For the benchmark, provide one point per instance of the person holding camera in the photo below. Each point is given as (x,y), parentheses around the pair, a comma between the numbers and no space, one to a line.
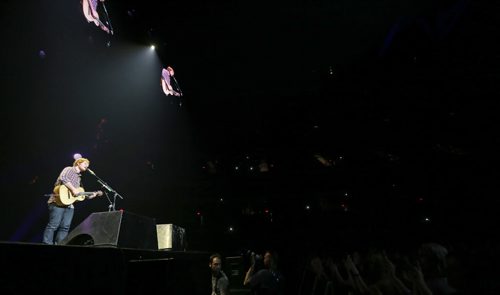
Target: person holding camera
(266,281)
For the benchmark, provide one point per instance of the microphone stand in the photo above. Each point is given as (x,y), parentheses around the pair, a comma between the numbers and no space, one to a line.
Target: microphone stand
(178,86)
(112,204)
(108,21)
(180,91)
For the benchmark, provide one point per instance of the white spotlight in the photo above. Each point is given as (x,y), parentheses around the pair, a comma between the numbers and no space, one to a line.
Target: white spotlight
(152,47)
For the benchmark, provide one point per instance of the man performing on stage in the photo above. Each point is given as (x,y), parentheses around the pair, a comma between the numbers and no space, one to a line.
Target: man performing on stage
(90,13)
(169,83)
(61,211)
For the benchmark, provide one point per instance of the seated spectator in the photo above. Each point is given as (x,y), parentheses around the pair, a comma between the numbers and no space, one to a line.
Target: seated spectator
(220,281)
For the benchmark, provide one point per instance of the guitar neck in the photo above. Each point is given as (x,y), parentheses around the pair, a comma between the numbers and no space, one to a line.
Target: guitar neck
(85,194)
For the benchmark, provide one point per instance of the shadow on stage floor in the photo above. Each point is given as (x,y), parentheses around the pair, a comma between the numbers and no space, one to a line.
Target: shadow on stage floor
(46,269)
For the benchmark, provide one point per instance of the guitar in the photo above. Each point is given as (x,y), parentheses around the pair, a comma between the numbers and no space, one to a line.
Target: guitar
(64,196)
(169,91)
(174,93)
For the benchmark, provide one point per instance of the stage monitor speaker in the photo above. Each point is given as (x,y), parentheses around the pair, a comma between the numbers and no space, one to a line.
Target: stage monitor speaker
(171,237)
(116,228)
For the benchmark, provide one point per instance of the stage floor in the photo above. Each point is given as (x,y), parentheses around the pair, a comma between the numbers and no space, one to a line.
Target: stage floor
(46,269)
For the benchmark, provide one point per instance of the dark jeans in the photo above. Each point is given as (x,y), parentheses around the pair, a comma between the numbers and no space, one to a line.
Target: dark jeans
(59,220)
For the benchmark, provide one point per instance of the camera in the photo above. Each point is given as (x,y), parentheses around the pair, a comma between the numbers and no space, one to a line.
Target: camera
(257,261)
(254,259)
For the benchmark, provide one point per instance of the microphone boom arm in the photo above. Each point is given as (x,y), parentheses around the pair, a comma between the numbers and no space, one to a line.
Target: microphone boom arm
(108,188)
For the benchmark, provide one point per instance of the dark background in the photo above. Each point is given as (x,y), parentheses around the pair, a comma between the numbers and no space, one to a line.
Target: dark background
(399,99)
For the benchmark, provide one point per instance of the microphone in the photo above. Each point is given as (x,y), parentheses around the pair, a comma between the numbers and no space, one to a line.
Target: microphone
(105,185)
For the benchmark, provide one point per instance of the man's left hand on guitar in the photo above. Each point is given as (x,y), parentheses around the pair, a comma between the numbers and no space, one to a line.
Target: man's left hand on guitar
(105,29)
(94,194)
